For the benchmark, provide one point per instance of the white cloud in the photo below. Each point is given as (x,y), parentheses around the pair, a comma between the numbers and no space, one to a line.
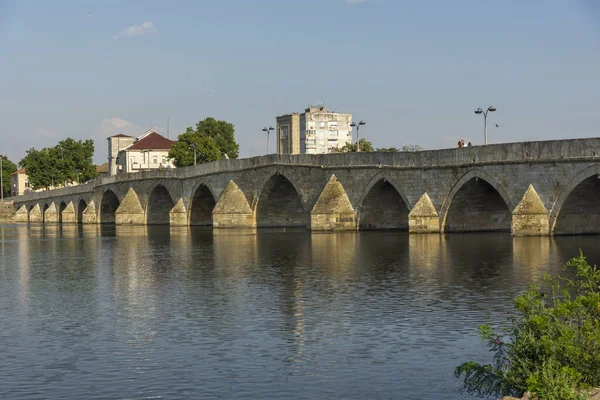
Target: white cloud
(88,16)
(147,28)
(109,127)
(114,125)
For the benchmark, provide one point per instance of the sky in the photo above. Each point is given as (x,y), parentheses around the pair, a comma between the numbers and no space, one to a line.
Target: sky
(414,71)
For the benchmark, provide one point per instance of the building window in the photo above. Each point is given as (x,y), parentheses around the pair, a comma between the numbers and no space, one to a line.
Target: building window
(155,160)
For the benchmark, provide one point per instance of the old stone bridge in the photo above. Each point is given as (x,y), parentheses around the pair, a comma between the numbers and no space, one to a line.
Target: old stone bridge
(529,188)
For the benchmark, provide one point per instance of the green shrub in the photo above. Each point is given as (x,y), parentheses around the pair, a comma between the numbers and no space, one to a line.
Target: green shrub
(551,345)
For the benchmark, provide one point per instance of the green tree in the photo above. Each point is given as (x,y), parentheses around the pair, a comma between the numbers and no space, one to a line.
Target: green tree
(41,167)
(411,147)
(551,346)
(388,149)
(223,134)
(212,139)
(8,167)
(75,160)
(182,151)
(365,146)
(68,162)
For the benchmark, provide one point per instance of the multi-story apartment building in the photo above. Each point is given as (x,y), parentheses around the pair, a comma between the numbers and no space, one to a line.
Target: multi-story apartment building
(316,131)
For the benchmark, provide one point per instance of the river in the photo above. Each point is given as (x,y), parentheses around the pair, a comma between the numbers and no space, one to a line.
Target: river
(105,312)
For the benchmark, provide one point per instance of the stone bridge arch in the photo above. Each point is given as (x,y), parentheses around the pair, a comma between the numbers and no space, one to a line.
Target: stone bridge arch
(45,206)
(383,204)
(81,205)
(62,206)
(160,202)
(108,203)
(202,203)
(577,208)
(476,202)
(279,202)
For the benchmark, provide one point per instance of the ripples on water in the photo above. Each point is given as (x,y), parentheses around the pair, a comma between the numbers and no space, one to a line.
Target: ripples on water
(158,312)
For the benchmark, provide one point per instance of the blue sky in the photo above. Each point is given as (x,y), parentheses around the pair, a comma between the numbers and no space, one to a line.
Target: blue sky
(413,70)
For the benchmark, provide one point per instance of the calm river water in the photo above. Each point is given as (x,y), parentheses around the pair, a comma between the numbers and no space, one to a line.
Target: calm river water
(157,312)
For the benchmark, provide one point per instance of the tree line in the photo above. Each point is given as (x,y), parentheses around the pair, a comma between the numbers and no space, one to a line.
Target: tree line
(68,162)
(366,147)
(71,161)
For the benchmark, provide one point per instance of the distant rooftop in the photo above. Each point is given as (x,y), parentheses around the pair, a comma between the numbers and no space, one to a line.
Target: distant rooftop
(151,140)
(102,168)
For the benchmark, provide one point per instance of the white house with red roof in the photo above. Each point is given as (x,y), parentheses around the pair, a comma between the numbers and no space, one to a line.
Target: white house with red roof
(148,151)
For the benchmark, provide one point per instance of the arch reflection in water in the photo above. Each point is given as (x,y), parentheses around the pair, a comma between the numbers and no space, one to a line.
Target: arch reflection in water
(427,251)
(483,259)
(532,255)
(91,230)
(24,264)
(381,255)
(285,255)
(567,247)
(235,252)
(69,231)
(138,284)
(334,253)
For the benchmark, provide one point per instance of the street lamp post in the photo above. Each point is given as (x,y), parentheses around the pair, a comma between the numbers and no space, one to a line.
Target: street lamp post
(193,147)
(354,124)
(485,113)
(268,131)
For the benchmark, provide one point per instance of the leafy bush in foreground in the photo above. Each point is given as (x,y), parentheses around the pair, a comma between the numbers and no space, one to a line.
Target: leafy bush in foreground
(551,346)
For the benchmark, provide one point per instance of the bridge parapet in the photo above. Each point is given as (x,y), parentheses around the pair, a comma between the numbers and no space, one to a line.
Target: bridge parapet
(62,192)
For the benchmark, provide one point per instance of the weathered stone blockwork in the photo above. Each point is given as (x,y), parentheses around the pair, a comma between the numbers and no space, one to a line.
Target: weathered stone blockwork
(530,217)
(7,210)
(468,189)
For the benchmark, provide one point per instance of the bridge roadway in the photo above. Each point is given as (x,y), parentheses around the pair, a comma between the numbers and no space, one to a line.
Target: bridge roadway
(528,188)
